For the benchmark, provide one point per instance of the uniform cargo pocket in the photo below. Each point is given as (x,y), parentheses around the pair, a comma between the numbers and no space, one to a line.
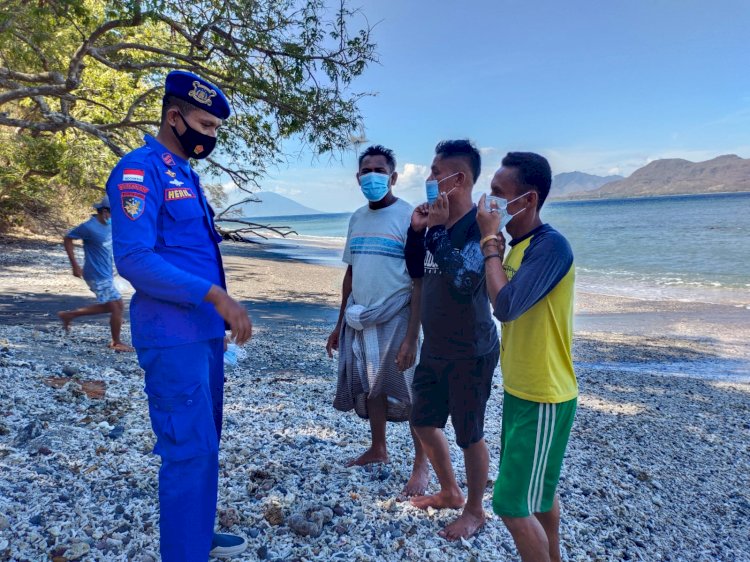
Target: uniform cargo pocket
(184,223)
(184,425)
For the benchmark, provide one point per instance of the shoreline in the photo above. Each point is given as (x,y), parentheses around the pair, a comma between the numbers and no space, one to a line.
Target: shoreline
(654,469)
(645,197)
(277,286)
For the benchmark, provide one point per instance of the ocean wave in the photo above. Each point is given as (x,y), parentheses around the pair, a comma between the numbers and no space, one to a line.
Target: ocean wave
(649,289)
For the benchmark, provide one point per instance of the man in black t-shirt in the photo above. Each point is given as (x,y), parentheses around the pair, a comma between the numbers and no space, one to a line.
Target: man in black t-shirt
(461,348)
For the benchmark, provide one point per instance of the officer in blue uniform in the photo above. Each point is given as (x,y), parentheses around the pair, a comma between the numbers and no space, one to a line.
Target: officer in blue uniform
(165,244)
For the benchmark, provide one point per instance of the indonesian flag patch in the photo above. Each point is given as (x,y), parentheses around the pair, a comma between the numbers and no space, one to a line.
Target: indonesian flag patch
(132,175)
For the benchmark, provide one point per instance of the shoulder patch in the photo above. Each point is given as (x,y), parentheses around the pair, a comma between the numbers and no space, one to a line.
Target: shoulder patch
(167,159)
(132,187)
(133,204)
(132,174)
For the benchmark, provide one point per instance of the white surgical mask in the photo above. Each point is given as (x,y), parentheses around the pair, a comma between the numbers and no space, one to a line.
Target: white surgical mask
(501,206)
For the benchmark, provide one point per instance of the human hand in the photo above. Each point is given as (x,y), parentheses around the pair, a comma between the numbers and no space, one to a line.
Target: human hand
(333,341)
(419,217)
(488,221)
(407,353)
(77,271)
(439,211)
(492,246)
(233,313)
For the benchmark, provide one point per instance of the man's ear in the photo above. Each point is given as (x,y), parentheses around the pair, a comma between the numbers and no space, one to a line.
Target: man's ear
(464,179)
(534,198)
(357,176)
(394,178)
(173,112)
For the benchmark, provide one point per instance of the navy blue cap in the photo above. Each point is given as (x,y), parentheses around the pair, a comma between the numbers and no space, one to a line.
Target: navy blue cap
(104,203)
(198,92)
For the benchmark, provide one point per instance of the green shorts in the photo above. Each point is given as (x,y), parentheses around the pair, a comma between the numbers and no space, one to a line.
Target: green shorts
(532,447)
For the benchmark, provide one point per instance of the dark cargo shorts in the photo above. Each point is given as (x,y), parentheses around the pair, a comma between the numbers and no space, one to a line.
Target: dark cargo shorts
(456,387)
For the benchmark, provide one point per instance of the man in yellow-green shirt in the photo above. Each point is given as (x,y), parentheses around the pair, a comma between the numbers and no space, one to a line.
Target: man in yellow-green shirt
(531,291)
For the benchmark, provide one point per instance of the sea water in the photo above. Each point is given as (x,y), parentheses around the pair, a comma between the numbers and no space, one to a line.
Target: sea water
(688,248)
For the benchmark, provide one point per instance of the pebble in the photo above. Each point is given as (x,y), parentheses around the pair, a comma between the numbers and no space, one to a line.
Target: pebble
(274,514)
(116,432)
(77,551)
(29,431)
(283,442)
(228,517)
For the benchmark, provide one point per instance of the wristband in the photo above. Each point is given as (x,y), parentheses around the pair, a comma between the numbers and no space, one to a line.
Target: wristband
(486,239)
(493,256)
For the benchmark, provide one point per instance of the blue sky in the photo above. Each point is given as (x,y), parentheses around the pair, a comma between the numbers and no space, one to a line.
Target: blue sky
(597,86)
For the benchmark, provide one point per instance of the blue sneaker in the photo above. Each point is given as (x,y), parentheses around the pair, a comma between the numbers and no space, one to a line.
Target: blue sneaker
(224,545)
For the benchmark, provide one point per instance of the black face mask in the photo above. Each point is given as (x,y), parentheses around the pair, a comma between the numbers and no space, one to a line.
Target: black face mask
(194,143)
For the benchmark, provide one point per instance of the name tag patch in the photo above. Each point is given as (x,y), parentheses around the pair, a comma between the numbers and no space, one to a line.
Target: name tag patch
(177,193)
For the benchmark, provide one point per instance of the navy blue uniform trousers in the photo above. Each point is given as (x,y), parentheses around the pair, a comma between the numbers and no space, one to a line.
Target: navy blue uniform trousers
(185,388)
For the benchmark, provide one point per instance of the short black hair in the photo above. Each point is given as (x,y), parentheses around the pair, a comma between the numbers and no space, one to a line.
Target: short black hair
(532,171)
(379,150)
(464,149)
(169,101)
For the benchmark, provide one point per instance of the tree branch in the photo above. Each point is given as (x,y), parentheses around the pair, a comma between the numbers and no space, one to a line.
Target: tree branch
(237,234)
(223,214)
(76,63)
(44,77)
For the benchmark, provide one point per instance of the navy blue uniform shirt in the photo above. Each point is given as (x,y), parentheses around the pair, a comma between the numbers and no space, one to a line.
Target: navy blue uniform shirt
(165,244)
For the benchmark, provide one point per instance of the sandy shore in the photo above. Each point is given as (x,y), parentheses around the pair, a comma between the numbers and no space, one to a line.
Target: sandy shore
(656,468)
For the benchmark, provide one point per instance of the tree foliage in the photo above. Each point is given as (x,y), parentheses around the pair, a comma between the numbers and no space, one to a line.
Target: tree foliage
(81,82)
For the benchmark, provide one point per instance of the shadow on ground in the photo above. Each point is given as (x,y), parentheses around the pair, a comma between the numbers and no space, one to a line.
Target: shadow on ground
(39,310)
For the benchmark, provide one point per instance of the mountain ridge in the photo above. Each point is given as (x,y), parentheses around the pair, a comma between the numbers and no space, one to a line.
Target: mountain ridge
(677,176)
(577,182)
(274,205)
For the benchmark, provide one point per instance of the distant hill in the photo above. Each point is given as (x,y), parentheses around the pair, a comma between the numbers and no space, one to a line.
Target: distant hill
(275,205)
(675,176)
(578,182)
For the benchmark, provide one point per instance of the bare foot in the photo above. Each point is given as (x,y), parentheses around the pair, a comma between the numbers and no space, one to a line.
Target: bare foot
(464,527)
(441,500)
(417,484)
(370,456)
(120,347)
(66,318)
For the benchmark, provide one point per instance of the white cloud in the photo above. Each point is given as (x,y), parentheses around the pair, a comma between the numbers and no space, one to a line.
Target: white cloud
(410,184)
